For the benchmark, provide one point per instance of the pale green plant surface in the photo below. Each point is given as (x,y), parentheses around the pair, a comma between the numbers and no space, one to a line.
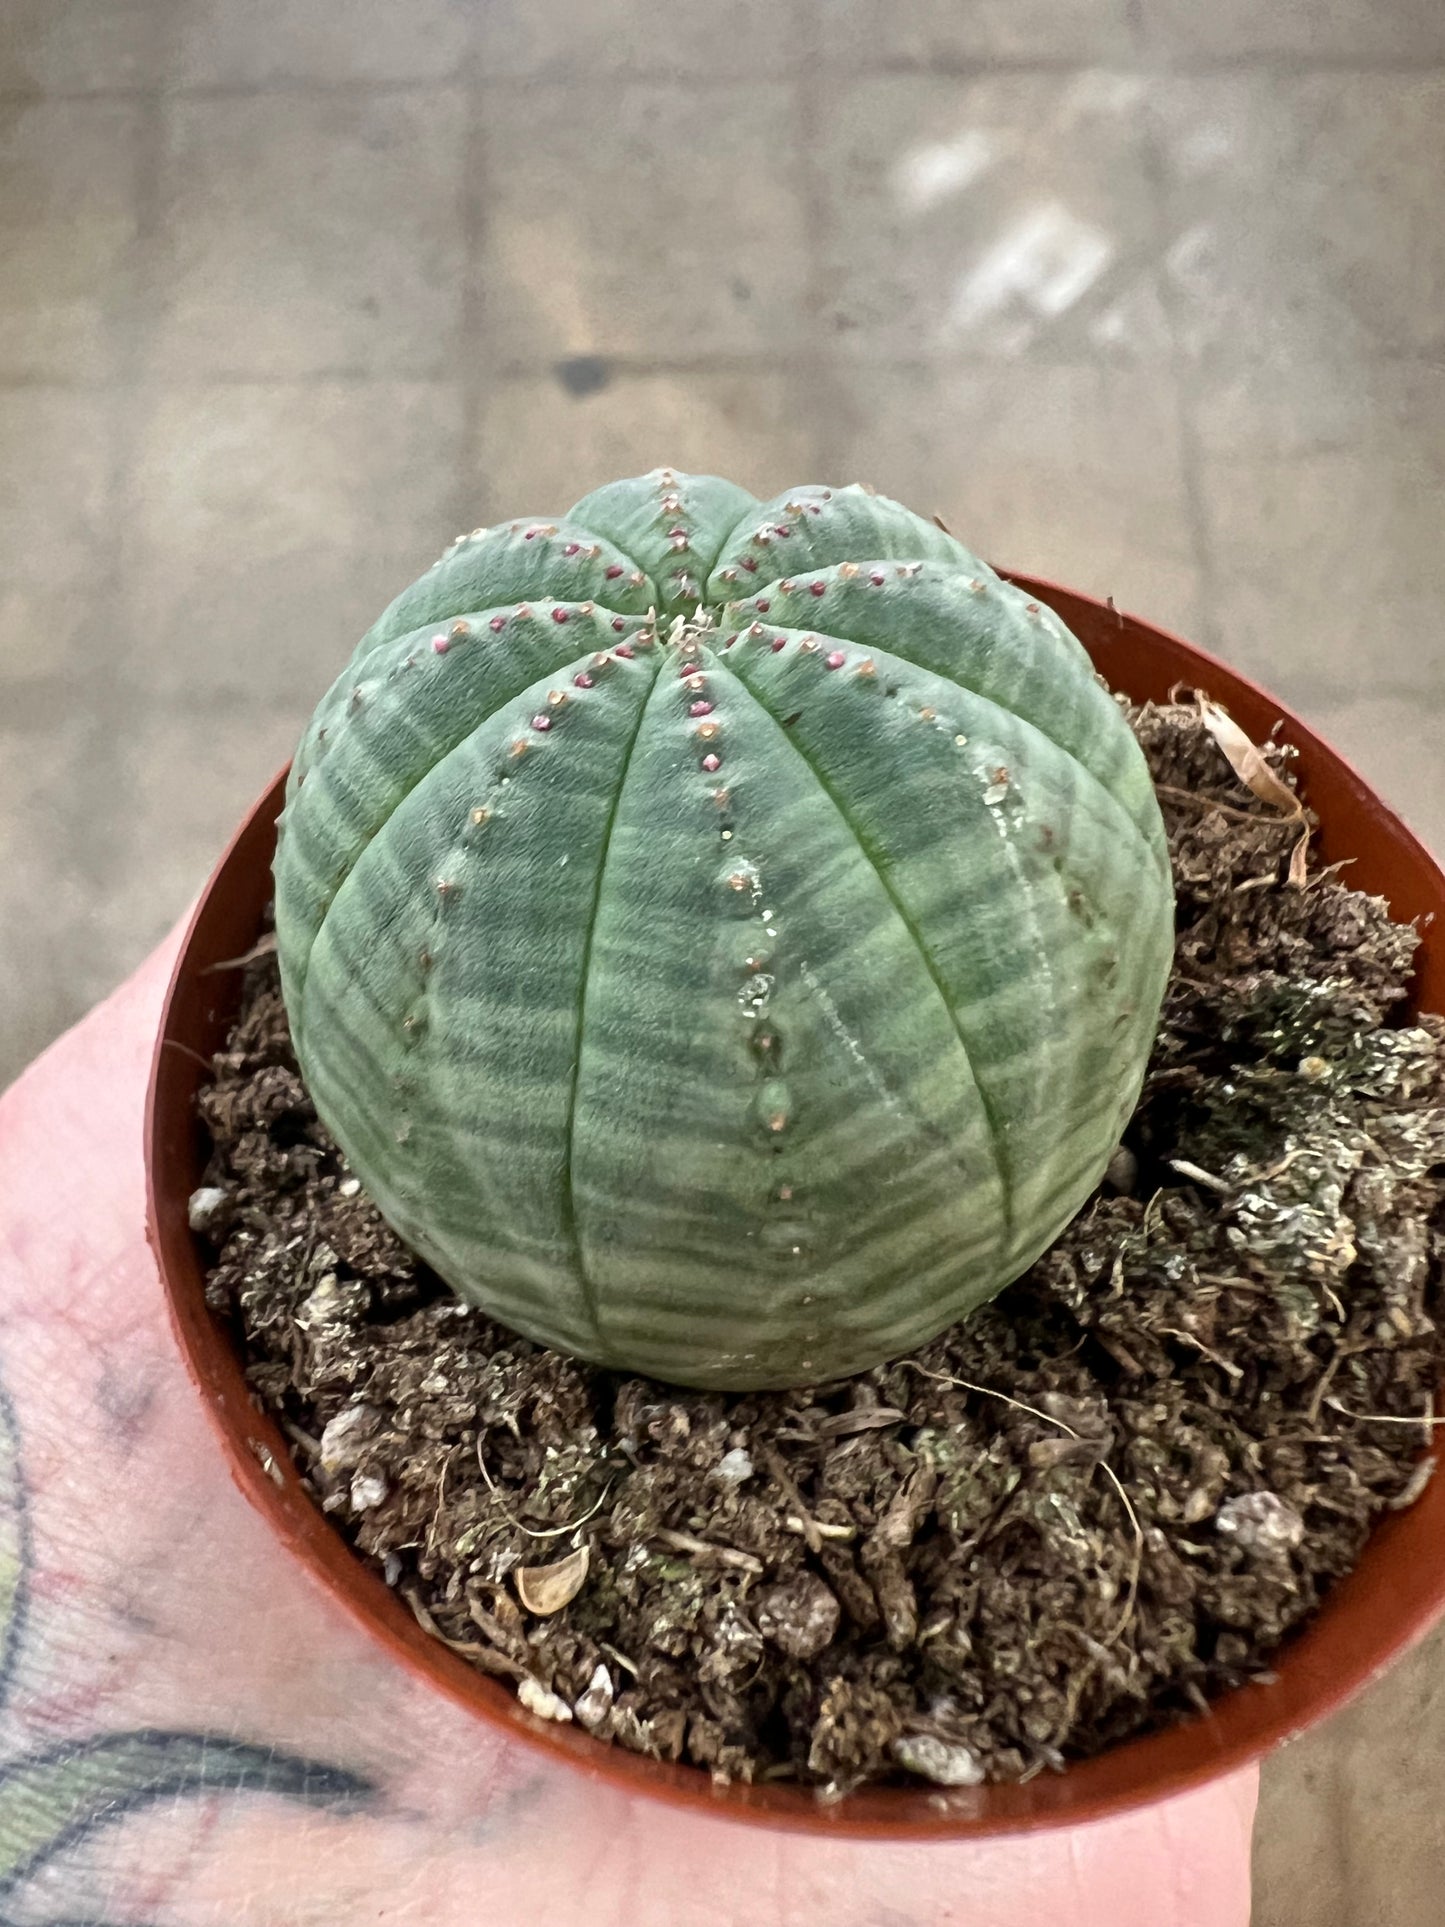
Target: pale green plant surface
(725,938)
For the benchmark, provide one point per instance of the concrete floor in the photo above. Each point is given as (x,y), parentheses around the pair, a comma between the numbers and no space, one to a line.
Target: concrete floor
(1145,294)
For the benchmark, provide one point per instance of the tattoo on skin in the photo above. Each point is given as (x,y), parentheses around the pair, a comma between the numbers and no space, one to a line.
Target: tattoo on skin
(54,1798)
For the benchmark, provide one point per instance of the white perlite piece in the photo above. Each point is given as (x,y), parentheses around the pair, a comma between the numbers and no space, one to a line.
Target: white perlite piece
(346,1435)
(1261,1522)
(946,1763)
(547,1706)
(368,1490)
(595,1703)
(204,1206)
(733,1467)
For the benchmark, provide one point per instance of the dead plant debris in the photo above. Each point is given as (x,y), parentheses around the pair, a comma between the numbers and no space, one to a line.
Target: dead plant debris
(1103,1499)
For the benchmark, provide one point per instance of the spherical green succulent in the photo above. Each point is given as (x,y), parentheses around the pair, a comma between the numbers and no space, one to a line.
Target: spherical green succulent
(725,937)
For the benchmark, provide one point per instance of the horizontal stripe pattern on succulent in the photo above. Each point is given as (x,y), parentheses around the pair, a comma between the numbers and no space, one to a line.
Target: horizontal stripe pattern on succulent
(465,1082)
(518,561)
(1072,724)
(734,1003)
(673,524)
(1006,860)
(670,1086)
(372,740)
(808,529)
(987,643)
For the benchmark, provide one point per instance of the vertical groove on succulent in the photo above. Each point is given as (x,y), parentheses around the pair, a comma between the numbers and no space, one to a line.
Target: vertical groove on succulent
(979,646)
(879,864)
(673,524)
(698,1051)
(584,1276)
(402,732)
(515,563)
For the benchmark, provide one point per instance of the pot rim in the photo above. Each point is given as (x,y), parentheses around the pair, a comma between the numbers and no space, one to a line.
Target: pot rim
(1389,1601)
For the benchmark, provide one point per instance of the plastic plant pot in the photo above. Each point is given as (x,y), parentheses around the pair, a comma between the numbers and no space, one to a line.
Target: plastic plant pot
(1370,1618)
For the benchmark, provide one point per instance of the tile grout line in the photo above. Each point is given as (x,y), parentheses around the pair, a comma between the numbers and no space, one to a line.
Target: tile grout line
(470,374)
(1156,180)
(110,699)
(137,391)
(1351,1863)
(1151,64)
(631,367)
(1300,63)
(821,381)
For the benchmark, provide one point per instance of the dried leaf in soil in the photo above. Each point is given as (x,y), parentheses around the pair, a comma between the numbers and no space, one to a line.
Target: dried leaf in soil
(545,1590)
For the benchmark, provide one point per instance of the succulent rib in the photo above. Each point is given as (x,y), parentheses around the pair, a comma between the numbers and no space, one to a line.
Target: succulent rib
(1070,712)
(920,943)
(569,1203)
(401,734)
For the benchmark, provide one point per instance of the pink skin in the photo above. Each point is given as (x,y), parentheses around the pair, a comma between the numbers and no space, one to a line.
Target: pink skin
(159,1599)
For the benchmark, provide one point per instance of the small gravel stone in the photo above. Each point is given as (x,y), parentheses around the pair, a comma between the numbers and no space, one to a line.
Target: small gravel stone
(1123,1172)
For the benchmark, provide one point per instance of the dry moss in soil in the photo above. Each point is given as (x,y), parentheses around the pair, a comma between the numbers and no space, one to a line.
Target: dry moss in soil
(930,1570)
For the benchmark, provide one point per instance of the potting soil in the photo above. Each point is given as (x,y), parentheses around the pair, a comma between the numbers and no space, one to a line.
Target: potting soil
(1102,1500)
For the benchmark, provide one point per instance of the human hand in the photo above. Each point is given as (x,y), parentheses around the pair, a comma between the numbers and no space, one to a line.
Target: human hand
(192,1734)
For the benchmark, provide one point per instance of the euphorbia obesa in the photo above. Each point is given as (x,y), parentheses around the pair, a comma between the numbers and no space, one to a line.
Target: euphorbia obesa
(724,937)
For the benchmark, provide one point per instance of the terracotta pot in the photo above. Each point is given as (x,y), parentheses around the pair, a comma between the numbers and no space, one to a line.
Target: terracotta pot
(1390,1600)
